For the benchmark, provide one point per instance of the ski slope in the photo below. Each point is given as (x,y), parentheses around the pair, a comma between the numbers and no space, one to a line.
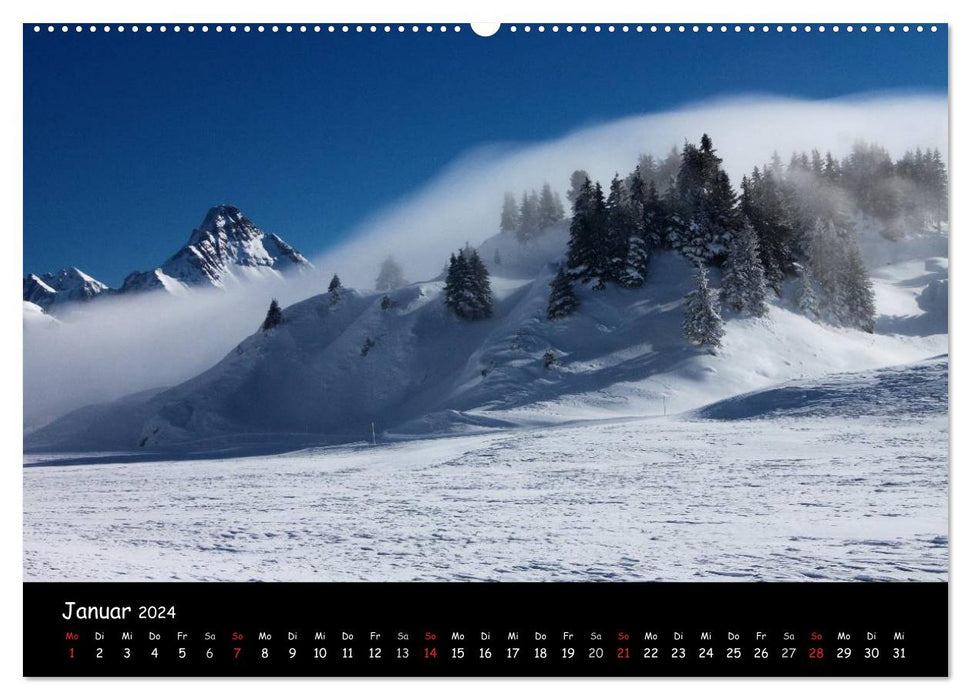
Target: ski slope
(791,495)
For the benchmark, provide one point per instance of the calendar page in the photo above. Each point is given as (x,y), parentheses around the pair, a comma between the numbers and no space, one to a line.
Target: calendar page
(485,350)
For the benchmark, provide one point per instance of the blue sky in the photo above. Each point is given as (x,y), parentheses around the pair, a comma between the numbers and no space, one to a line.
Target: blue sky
(130,138)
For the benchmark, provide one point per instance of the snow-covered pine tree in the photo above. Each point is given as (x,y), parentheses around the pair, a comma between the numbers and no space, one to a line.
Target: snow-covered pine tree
(274,317)
(836,264)
(654,227)
(858,291)
(563,300)
(390,276)
(637,263)
(808,302)
(676,222)
(600,261)
(334,289)
(579,247)
(454,280)
(637,191)
(468,293)
(509,219)
(707,202)
(621,227)
(587,252)
(496,258)
(766,205)
(743,286)
(702,324)
(480,286)
(825,260)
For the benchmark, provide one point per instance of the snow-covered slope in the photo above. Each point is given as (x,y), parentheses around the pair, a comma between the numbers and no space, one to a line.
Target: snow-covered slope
(226,248)
(34,317)
(69,284)
(911,390)
(339,364)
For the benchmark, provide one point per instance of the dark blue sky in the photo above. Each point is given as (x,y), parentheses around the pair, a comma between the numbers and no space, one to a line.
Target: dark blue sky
(130,138)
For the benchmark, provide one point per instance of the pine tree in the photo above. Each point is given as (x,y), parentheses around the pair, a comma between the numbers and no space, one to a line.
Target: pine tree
(654,227)
(390,276)
(547,212)
(858,292)
(481,287)
(835,262)
(334,289)
(509,220)
(496,258)
(563,300)
(938,185)
(743,286)
(707,203)
(455,277)
(637,263)
(621,227)
(274,317)
(468,292)
(529,224)
(766,206)
(808,303)
(587,257)
(702,324)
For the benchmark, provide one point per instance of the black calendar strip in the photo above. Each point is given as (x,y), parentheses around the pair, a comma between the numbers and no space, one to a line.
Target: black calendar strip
(485,629)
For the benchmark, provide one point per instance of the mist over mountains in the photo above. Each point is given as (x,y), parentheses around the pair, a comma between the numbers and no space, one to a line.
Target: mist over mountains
(148,342)
(225,250)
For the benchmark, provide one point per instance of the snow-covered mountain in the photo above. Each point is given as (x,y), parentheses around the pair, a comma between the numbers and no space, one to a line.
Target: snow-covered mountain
(226,249)
(340,362)
(69,284)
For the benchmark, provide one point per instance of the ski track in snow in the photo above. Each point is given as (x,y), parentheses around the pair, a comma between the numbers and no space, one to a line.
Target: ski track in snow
(676,498)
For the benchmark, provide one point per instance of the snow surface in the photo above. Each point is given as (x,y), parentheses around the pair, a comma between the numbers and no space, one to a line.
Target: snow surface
(832,495)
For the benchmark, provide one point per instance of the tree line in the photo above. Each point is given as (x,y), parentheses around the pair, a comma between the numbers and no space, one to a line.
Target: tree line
(534,213)
(787,222)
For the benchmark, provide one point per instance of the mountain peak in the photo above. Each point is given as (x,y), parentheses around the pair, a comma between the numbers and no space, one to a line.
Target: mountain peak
(69,284)
(226,247)
(225,220)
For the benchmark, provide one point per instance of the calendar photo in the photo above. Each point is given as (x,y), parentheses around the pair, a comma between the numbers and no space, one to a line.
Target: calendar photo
(309,327)
(599,303)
